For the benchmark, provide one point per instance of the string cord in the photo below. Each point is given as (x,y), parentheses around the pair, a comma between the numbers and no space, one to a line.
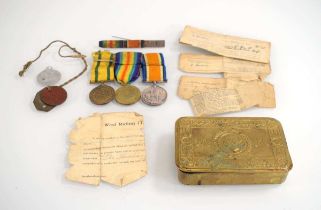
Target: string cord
(77,55)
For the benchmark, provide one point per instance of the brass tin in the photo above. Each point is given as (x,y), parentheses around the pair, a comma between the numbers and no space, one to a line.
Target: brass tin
(218,150)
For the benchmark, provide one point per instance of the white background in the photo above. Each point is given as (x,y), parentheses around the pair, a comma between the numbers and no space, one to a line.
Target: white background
(34,145)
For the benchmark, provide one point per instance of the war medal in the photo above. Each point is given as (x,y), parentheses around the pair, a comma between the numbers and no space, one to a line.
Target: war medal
(154,70)
(127,95)
(102,94)
(51,96)
(127,70)
(102,71)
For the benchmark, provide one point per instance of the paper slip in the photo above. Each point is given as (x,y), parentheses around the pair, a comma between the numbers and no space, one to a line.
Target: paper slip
(108,147)
(225,45)
(197,63)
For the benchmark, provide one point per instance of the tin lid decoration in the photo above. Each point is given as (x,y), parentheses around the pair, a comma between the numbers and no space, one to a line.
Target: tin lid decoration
(218,150)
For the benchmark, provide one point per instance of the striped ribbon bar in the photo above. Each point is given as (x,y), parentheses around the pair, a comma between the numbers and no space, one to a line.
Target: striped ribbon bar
(153,68)
(102,69)
(127,66)
(131,43)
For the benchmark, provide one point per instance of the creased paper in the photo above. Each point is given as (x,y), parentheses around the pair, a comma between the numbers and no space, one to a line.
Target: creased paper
(108,147)
(253,93)
(229,46)
(215,101)
(244,76)
(197,63)
(189,86)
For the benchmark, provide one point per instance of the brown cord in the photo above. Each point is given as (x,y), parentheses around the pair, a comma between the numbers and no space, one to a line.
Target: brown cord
(78,55)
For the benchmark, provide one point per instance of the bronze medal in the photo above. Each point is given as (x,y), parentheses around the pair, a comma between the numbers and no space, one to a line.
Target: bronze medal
(40,105)
(53,95)
(103,94)
(154,95)
(127,95)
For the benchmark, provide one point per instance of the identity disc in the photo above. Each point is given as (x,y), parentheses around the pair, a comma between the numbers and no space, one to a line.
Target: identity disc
(127,95)
(154,95)
(53,95)
(103,94)
(40,105)
(49,76)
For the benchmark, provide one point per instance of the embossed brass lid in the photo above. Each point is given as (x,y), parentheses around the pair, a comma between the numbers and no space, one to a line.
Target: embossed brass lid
(242,145)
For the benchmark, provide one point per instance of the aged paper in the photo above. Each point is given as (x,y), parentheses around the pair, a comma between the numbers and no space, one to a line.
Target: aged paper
(189,86)
(229,46)
(216,101)
(232,65)
(243,76)
(232,83)
(268,99)
(123,157)
(253,93)
(108,147)
(250,93)
(196,63)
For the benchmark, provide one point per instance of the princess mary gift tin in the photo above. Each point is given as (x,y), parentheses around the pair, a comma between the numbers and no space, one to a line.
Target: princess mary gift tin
(217,150)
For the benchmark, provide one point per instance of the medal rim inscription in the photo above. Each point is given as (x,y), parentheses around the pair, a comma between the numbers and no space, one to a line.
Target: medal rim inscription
(48,76)
(98,98)
(121,99)
(40,105)
(53,95)
(146,100)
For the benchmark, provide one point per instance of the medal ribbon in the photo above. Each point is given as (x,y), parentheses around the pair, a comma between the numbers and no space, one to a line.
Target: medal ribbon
(127,66)
(131,43)
(153,68)
(102,69)
(120,44)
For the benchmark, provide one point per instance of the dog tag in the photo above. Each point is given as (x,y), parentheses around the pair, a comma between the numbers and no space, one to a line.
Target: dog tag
(48,77)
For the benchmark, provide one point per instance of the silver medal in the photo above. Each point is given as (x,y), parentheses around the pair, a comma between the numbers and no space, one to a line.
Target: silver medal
(154,95)
(48,77)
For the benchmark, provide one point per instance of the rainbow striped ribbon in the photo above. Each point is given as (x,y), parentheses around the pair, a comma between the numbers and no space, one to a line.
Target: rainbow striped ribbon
(153,68)
(127,66)
(120,44)
(102,69)
(131,43)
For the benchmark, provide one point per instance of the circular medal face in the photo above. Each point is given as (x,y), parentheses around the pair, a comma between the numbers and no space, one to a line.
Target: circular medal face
(103,94)
(53,95)
(41,106)
(49,76)
(127,95)
(154,95)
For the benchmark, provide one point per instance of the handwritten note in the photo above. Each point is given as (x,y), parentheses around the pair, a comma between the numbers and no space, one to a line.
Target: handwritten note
(229,46)
(108,147)
(244,76)
(216,101)
(190,86)
(196,63)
